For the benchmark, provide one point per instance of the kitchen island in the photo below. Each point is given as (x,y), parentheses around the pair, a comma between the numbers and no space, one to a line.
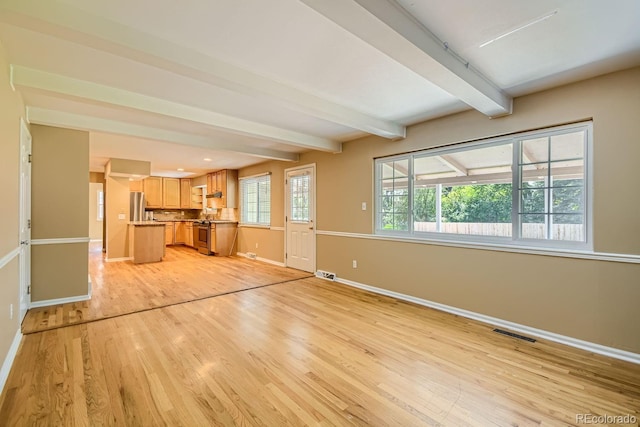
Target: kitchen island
(146,241)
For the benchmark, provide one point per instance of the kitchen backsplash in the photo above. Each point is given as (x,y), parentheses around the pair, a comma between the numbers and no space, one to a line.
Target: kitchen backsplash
(171,214)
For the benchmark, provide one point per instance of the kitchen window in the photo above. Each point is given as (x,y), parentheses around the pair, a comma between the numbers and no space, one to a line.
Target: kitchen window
(529,189)
(255,196)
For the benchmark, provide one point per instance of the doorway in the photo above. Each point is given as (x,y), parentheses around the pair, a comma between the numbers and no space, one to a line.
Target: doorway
(25,219)
(300,213)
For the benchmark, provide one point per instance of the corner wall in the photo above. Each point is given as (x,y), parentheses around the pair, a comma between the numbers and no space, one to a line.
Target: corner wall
(11,111)
(587,299)
(60,214)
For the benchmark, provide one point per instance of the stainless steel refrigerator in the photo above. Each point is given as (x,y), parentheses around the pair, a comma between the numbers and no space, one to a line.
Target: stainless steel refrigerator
(137,203)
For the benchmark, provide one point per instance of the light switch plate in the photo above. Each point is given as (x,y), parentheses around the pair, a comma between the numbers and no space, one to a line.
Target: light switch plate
(364,206)
(121,216)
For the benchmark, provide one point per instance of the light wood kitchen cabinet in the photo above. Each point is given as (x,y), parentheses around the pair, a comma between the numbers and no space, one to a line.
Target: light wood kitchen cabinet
(136,185)
(223,237)
(171,193)
(196,198)
(168,233)
(180,233)
(153,192)
(211,182)
(225,182)
(188,238)
(185,193)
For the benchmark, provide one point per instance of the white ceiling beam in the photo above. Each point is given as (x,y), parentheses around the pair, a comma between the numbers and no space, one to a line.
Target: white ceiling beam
(451,163)
(69,87)
(386,26)
(48,117)
(69,23)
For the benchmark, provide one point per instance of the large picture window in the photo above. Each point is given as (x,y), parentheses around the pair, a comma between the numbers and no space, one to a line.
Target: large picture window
(530,189)
(255,194)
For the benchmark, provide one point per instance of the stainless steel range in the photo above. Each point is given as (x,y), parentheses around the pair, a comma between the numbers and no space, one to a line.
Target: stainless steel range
(202,236)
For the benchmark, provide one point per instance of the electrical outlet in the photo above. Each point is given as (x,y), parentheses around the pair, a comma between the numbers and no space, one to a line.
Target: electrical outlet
(354,263)
(256,245)
(10,311)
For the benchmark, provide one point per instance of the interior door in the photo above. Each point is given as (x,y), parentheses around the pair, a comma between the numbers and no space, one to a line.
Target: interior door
(299,218)
(25,219)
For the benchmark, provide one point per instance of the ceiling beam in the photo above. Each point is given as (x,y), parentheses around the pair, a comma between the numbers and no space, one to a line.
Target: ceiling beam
(72,24)
(94,92)
(386,26)
(47,117)
(451,163)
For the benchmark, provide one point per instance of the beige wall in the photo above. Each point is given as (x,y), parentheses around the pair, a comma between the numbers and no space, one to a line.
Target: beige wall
(60,210)
(11,110)
(59,271)
(270,242)
(117,202)
(590,300)
(95,226)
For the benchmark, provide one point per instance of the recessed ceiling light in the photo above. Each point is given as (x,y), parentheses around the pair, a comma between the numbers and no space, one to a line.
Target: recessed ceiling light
(207,159)
(180,170)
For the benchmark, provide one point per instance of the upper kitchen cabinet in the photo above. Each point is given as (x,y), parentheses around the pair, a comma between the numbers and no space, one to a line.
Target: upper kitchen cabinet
(137,185)
(185,193)
(224,182)
(153,192)
(171,193)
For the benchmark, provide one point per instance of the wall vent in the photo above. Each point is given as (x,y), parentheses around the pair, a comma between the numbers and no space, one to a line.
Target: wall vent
(514,335)
(251,255)
(326,275)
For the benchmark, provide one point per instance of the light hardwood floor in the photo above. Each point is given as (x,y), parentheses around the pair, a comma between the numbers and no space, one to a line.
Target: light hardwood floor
(305,352)
(184,275)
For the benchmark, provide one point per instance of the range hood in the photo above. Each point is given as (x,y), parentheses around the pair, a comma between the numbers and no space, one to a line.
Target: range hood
(216,195)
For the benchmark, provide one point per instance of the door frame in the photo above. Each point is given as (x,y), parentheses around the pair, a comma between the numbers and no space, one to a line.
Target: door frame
(25,218)
(312,213)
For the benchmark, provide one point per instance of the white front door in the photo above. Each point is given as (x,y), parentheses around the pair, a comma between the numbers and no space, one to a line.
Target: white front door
(25,219)
(299,218)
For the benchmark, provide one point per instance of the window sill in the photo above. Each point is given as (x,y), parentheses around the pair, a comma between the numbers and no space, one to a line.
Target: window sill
(266,227)
(521,249)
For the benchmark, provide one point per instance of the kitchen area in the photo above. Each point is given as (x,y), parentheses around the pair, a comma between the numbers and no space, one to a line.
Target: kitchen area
(199,213)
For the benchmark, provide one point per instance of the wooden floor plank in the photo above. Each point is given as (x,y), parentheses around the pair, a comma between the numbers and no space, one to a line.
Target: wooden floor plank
(301,352)
(184,275)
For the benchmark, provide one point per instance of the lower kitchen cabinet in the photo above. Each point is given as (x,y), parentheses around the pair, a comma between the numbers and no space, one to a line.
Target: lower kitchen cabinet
(168,233)
(223,236)
(180,229)
(188,230)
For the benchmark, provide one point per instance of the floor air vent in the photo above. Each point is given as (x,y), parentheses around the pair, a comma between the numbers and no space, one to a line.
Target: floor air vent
(326,275)
(511,334)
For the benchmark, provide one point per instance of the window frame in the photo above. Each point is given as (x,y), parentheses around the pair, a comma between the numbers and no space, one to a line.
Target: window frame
(515,140)
(254,179)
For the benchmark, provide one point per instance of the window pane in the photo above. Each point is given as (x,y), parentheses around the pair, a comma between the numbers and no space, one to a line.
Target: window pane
(567,146)
(299,190)
(535,150)
(557,193)
(393,197)
(478,209)
(256,200)
(534,227)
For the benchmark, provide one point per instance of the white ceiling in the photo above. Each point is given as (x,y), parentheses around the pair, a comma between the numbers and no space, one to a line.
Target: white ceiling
(242,81)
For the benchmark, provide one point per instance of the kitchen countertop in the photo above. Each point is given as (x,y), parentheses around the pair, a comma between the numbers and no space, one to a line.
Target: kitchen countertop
(146,223)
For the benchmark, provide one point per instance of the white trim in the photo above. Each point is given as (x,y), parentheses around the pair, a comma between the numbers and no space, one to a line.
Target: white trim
(276,228)
(60,241)
(258,175)
(56,301)
(598,256)
(313,215)
(9,358)
(95,240)
(9,257)
(118,259)
(266,260)
(264,227)
(550,336)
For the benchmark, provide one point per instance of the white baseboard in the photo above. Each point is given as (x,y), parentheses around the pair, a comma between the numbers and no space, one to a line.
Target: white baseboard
(9,358)
(268,261)
(527,330)
(49,302)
